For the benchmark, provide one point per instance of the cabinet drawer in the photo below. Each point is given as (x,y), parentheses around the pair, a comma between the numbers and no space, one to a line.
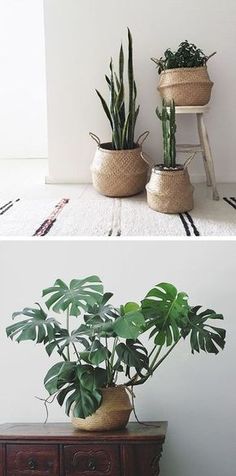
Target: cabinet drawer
(27,460)
(96,460)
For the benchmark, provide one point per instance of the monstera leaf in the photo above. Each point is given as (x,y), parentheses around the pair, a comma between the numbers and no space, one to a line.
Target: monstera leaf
(38,327)
(203,335)
(130,324)
(133,354)
(63,339)
(80,385)
(101,312)
(80,294)
(59,375)
(165,310)
(96,354)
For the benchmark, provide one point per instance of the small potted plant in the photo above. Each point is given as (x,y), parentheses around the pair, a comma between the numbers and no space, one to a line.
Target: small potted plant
(118,169)
(183,75)
(102,357)
(169,189)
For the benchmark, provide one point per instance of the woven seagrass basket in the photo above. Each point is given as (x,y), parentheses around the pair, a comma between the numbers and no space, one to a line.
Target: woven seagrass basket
(170,191)
(113,414)
(119,173)
(186,86)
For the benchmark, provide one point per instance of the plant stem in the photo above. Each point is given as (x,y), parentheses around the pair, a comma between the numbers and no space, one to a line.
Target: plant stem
(68,329)
(76,352)
(153,368)
(166,355)
(156,357)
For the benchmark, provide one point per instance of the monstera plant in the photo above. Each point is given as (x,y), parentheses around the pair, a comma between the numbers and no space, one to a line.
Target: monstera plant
(100,345)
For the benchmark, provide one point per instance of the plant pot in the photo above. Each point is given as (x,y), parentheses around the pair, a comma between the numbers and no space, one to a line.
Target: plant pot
(113,414)
(170,191)
(119,173)
(186,86)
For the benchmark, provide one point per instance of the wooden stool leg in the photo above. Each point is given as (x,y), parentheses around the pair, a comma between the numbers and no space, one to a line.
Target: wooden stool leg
(208,155)
(208,177)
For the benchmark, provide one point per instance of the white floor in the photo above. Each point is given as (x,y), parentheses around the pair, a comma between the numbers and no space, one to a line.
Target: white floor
(29,207)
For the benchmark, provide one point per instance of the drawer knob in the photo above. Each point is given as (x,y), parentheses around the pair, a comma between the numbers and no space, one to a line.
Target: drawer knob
(92,465)
(32,463)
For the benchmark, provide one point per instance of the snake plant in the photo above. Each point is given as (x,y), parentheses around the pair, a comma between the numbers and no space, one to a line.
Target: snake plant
(167,118)
(122,121)
(98,342)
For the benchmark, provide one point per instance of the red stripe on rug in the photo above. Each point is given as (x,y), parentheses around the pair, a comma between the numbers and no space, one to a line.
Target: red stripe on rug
(49,222)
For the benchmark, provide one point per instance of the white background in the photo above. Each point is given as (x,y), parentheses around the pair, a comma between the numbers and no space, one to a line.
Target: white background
(23,115)
(196,394)
(82,35)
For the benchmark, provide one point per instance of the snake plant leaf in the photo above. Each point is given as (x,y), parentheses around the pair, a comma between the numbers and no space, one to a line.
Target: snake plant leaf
(38,327)
(130,325)
(105,106)
(166,311)
(131,89)
(108,80)
(121,64)
(133,354)
(80,294)
(203,335)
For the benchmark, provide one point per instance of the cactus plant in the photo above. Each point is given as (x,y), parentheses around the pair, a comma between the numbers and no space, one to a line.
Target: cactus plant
(122,122)
(167,117)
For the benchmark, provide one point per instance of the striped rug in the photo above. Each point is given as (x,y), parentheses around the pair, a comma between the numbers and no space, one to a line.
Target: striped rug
(94,215)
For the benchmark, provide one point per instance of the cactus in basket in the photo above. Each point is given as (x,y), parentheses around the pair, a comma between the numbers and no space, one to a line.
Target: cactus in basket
(167,117)
(122,121)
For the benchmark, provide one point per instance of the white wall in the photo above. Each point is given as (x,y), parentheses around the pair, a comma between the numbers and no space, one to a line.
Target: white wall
(23,124)
(196,394)
(81,35)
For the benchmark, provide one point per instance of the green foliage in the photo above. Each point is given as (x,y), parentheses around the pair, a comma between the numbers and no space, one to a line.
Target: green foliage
(107,340)
(122,123)
(37,327)
(167,118)
(186,56)
(203,335)
(76,296)
(166,312)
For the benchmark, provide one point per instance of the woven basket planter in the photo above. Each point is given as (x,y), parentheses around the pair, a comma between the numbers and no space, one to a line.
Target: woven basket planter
(186,86)
(113,414)
(119,173)
(170,191)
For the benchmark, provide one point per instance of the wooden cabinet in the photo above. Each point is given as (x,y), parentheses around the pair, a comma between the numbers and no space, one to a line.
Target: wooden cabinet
(59,450)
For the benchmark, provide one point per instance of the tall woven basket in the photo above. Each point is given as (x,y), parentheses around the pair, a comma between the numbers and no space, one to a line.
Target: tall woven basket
(119,173)
(113,414)
(186,86)
(170,191)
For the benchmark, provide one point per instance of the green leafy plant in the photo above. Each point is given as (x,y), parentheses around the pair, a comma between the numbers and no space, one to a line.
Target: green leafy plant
(167,118)
(105,342)
(186,56)
(122,122)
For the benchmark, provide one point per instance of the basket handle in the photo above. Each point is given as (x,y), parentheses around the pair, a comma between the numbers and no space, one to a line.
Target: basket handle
(147,159)
(96,138)
(144,135)
(186,164)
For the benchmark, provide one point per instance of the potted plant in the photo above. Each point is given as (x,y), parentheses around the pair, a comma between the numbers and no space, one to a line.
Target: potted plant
(118,169)
(183,75)
(100,346)
(169,189)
